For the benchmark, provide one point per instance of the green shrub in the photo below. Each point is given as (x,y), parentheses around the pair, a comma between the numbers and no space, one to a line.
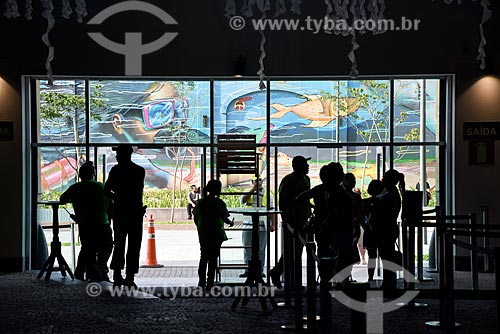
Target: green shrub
(162,198)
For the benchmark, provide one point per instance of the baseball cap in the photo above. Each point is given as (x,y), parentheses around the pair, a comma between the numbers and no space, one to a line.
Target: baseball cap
(125,149)
(299,160)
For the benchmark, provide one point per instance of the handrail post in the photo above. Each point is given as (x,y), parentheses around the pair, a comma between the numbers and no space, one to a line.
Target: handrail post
(411,248)
(441,236)
(497,281)
(287,253)
(311,287)
(449,292)
(485,218)
(420,254)
(406,258)
(325,267)
(473,252)
(412,211)
(434,246)
(73,245)
(299,312)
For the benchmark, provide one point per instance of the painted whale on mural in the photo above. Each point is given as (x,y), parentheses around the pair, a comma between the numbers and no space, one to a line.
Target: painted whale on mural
(318,110)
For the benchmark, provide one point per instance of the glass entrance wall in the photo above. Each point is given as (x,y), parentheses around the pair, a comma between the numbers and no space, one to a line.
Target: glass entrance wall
(368,126)
(171,122)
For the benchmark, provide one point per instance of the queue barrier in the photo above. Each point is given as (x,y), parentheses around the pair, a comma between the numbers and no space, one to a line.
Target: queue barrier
(304,238)
(448,227)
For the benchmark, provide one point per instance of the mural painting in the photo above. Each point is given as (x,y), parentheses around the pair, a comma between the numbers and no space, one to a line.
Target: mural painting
(177,114)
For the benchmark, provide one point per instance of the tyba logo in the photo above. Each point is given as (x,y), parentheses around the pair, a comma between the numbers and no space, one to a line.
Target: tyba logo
(375,306)
(133,49)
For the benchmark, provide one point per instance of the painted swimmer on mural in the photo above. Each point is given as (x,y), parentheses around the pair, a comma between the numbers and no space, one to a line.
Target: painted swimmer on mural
(318,110)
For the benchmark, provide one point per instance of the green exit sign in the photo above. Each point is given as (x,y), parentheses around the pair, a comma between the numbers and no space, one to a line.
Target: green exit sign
(481,130)
(7,131)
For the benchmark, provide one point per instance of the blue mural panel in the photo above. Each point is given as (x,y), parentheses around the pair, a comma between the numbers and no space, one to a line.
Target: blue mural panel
(151,112)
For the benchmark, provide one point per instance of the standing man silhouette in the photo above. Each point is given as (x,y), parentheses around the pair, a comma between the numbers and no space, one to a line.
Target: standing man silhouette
(294,213)
(124,186)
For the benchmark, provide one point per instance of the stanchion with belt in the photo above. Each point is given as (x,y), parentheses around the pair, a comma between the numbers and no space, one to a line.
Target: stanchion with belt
(497,282)
(411,212)
(296,260)
(254,278)
(446,236)
(310,322)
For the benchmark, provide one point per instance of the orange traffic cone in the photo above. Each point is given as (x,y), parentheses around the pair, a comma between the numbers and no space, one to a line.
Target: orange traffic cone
(151,261)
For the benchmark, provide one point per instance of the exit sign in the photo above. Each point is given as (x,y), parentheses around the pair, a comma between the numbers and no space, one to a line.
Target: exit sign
(7,131)
(481,130)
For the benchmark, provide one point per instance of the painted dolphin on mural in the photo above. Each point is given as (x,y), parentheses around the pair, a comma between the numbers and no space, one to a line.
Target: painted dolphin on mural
(318,110)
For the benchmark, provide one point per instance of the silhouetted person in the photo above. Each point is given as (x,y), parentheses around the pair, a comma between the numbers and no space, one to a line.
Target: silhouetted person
(375,188)
(349,185)
(210,215)
(256,201)
(322,230)
(125,185)
(319,196)
(295,214)
(90,205)
(383,221)
(340,219)
(192,198)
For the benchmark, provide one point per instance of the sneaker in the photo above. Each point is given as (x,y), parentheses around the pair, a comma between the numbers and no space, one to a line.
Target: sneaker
(245,274)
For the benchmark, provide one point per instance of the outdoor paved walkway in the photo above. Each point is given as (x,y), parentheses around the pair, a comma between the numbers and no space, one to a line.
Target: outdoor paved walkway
(61,305)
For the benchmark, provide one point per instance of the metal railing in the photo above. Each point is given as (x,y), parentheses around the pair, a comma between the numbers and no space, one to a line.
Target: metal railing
(448,227)
(303,238)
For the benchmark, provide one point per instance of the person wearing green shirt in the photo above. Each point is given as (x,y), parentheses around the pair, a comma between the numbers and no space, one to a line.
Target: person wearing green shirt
(90,206)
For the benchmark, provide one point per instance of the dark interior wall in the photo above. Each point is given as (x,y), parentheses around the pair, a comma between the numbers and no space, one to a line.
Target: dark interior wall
(446,42)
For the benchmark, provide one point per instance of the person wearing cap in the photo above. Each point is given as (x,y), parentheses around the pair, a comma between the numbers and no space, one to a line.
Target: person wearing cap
(125,186)
(256,198)
(293,213)
(90,205)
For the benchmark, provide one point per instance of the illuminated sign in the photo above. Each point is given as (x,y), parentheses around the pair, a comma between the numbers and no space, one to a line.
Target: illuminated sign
(481,152)
(481,130)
